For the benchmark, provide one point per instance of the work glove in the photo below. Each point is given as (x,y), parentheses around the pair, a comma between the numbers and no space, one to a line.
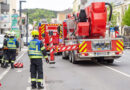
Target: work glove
(47,60)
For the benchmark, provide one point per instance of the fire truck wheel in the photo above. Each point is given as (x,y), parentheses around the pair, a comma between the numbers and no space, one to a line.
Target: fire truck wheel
(64,55)
(73,58)
(70,56)
(110,61)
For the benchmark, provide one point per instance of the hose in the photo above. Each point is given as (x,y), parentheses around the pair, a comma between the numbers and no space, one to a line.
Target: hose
(110,10)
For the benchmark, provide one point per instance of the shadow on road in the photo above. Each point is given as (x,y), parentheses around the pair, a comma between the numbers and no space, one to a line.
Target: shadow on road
(94,63)
(87,63)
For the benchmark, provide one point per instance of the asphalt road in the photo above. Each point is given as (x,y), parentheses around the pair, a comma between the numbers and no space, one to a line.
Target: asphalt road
(67,76)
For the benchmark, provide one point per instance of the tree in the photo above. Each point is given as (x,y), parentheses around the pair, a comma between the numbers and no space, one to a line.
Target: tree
(38,14)
(126,17)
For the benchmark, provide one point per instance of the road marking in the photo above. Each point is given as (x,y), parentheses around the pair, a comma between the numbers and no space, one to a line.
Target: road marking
(127,75)
(7,70)
(19,57)
(4,73)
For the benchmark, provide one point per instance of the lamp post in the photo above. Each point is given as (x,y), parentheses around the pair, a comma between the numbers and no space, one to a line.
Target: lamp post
(27,29)
(20,26)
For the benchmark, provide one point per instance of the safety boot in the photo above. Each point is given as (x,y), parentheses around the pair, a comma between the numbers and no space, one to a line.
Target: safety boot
(34,85)
(2,65)
(6,65)
(40,86)
(12,65)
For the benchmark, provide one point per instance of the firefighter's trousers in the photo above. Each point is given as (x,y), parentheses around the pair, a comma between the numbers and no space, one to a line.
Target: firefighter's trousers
(36,69)
(10,57)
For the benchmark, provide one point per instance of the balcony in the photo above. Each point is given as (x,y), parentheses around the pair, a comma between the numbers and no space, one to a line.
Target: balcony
(4,7)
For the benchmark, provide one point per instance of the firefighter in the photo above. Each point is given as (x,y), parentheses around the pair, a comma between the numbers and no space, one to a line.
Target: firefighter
(35,52)
(12,44)
(7,34)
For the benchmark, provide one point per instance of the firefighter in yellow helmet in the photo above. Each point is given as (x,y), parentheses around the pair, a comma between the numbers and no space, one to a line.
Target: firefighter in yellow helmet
(36,50)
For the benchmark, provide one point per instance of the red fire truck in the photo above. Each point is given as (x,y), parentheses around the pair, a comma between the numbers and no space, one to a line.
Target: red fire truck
(87,36)
(44,30)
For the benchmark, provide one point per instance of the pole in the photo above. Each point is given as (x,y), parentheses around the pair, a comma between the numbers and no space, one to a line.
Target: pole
(27,30)
(20,27)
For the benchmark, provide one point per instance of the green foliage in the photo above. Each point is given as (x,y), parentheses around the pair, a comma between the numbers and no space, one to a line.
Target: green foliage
(126,17)
(114,16)
(38,14)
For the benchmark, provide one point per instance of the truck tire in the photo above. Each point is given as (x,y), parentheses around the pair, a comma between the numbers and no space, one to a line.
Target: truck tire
(110,61)
(64,55)
(70,56)
(73,58)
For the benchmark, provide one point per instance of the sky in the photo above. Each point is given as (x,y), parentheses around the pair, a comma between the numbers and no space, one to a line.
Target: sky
(57,5)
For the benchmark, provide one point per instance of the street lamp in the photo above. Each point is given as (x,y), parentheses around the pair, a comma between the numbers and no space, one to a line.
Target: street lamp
(20,7)
(20,27)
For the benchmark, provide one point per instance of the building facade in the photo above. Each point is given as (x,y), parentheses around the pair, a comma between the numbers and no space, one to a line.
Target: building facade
(61,16)
(79,4)
(120,8)
(6,10)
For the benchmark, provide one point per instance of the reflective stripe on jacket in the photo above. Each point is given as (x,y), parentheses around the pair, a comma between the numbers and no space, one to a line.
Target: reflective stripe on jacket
(34,49)
(11,43)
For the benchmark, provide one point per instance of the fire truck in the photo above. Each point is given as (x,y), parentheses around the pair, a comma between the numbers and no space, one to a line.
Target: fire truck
(44,31)
(87,36)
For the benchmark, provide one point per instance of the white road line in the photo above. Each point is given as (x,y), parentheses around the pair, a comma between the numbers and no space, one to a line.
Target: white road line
(4,73)
(19,57)
(127,75)
(115,70)
(7,70)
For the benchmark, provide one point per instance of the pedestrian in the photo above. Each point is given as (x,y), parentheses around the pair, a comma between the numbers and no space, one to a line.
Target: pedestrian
(12,44)
(35,52)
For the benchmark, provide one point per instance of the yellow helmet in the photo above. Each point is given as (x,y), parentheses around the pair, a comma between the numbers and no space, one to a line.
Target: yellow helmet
(12,33)
(35,32)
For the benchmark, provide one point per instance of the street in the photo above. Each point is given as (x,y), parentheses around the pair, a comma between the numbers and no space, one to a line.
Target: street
(67,76)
